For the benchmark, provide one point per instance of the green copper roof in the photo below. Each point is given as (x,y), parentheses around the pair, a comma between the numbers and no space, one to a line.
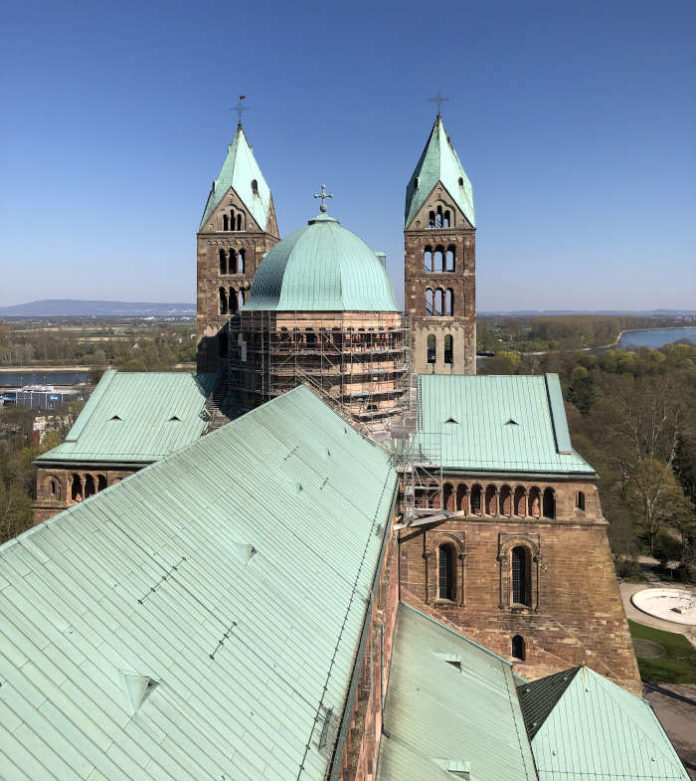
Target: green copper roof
(451,709)
(496,424)
(238,171)
(439,163)
(200,619)
(136,418)
(321,267)
(593,729)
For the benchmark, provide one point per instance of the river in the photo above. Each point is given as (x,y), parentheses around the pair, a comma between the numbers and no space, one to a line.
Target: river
(656,337)
(17,379)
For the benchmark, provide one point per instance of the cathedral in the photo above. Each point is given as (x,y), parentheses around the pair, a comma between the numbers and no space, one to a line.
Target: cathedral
(334,551)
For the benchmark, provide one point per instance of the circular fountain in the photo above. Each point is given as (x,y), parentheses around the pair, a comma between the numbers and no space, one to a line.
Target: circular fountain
(670,604)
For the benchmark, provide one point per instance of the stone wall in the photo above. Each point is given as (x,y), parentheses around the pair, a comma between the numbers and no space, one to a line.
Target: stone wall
(214,275)
(459,238)
(57,488)
(569,610)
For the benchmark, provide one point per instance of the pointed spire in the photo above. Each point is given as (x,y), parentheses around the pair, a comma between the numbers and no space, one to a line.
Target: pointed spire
(439,163)
(241,172)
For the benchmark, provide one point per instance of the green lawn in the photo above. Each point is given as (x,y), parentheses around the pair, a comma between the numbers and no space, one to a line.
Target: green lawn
(678,665)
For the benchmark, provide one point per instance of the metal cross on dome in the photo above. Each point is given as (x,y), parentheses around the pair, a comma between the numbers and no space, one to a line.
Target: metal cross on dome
(439,100)
(324,195)
(240,108)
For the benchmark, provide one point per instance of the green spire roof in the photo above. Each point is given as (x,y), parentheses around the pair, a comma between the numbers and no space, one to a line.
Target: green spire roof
(238,171)
(439,163)
(321,268)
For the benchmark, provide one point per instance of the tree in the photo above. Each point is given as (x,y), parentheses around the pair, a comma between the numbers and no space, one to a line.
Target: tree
(656,498)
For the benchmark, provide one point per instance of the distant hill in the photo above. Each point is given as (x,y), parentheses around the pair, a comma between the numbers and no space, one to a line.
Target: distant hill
(66,307)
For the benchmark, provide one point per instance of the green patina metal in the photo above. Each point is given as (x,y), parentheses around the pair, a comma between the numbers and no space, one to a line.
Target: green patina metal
(583,726)
(451,709)
(323,268)
(201,618)
(239,171)
(136,418)
(439,163)
(496,424)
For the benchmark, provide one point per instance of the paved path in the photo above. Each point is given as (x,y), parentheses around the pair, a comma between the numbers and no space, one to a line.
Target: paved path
(632,612)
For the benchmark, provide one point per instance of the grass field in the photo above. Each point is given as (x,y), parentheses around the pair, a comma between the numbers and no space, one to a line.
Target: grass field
(676,665)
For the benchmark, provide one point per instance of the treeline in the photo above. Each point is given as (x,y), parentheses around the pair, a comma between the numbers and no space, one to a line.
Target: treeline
(562,332)
(151,348)
(17,452)
(632,415)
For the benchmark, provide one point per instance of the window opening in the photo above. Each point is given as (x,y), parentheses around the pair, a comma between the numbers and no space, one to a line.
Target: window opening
(446,564)
(449,349)
(520,576)
(432,348)
(580,500)
(518,648)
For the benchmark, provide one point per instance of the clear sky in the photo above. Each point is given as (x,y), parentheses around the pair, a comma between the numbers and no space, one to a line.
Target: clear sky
(576,123)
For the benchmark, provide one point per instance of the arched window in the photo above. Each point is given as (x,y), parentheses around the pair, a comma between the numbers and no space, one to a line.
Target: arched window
(254,187)
(449,259)
(520,576)
(461,182)
(429,309)
(233,262)
(225,222)
(449,302)
(549,503)
(233,301)
(311,338)
(223,301)
(446,568)
(428,259)
(90,490)
(239,222)
(476,500)
(76,489)
(101,482)
(491,500)
(449,352)
(448,496)
(240,261)
(439,302)
(446,219)
(432,348)
(506,501)
(223,262)
(534,508)
(438,217)
(438,260)
(580,500)
(518,649)
(240,298)
(462,504)
(431,220)
(520,502)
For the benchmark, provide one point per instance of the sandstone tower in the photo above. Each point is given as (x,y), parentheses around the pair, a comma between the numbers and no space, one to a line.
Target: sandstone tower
(440,260)
(238,227)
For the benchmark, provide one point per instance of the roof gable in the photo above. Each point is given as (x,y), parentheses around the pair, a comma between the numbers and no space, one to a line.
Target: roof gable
(439,162)
(238,172)
(137,417)
(598,730)
(451,709)
(482,439)
(199,619)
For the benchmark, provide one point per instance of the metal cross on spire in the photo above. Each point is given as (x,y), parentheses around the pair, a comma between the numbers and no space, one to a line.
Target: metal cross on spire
(324,195)
(439,100)
(240,108)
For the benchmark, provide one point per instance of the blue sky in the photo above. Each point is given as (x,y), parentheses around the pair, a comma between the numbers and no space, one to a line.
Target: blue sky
(576,123)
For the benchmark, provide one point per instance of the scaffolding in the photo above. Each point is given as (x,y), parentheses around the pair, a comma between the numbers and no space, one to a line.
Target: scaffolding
(357,361)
